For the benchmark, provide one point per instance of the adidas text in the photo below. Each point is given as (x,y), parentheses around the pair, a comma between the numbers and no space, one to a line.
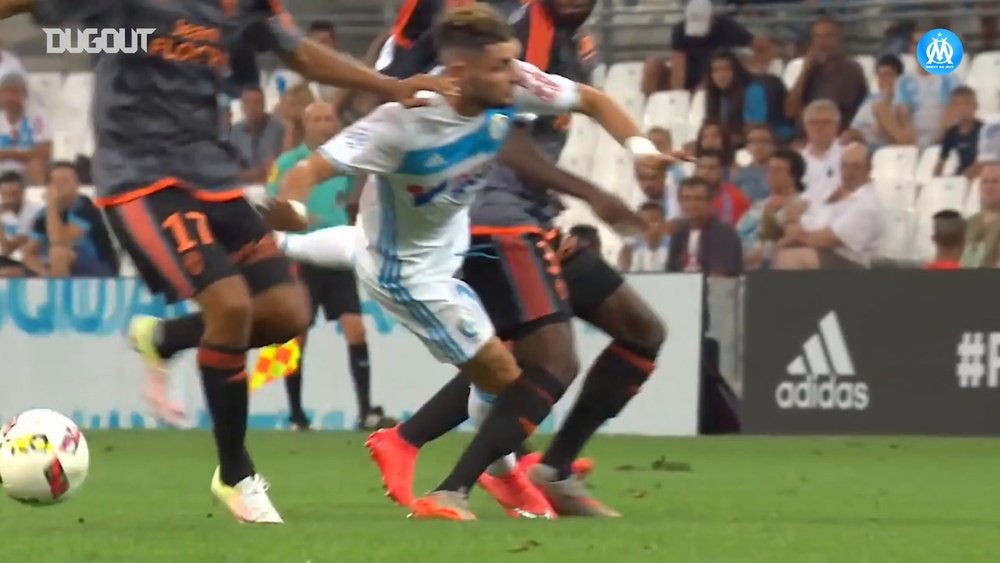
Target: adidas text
(827,393)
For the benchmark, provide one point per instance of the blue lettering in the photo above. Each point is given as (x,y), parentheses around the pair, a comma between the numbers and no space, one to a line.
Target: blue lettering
(384,324)
(82,306)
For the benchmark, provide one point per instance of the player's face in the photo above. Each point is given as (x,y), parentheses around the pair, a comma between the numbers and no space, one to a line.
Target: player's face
(492,75)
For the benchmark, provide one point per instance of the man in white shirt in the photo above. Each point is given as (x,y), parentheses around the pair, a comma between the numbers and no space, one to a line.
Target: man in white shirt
(430,162)
(822,152)
(25,138)
(842,232)
(17,215)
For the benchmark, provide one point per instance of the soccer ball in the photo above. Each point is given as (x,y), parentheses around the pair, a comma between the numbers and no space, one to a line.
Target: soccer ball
(43,457)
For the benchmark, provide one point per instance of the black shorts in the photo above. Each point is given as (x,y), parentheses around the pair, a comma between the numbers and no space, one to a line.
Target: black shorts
(517,277)
(181,244)
(591,280)
(336,291)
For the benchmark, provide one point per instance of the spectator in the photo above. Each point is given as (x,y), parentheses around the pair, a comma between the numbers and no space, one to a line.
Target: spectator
(949,240)
(10,64)
(712,137)
(752,178)
(828,73)
(587,236)
(735,98)
(876,120)
(840,232)
(324,33)
(921,106)
(763,225)
(703,243)
(982,236)
(258,138)
(648,253)
(17,215)
(963,136)
(663,186)
(693,40)
(822,152)
(293,104)
(728,201)
(25,138)
(69,237)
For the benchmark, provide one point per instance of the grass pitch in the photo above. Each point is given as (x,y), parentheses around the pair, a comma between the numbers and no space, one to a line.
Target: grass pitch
(705,500)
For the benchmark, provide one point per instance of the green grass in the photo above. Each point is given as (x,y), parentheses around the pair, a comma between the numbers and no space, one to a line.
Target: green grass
(711,500)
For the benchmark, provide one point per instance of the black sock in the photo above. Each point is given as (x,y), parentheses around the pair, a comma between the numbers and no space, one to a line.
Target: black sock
(361,374)
(179,334)
(446,410)
(224,378)
(614,378)
(517,412)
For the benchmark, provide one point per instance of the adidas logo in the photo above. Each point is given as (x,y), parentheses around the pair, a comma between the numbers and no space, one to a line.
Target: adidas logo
(822,371)
(435,161)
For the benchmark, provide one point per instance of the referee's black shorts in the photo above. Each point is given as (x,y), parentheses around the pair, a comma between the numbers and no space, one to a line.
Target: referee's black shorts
(336,291)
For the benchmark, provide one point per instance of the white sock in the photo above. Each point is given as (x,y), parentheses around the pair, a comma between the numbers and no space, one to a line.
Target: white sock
(332,247)
(480,404)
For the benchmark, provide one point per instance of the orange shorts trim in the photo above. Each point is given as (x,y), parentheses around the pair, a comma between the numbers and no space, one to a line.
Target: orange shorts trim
(164,183)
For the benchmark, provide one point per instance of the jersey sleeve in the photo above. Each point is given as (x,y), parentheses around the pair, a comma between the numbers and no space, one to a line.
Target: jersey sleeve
(92,13)
(267,26)
(371,145)
(545,94)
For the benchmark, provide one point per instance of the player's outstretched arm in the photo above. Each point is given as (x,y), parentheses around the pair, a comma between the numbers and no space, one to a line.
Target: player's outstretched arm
(304,176)
(10,8)
(318,63)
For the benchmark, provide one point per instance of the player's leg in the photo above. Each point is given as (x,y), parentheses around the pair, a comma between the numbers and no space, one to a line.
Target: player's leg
(170,238)
(297,418)
(601,297)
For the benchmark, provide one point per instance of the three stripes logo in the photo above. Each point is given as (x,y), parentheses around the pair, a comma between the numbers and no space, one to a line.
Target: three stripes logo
(823,374)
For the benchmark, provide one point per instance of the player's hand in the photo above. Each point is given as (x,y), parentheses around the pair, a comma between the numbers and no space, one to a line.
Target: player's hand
(282,215)
(568,246)
(616,213)
(405,91)
(655,163)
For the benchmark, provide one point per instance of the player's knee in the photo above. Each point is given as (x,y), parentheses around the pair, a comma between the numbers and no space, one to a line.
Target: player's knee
(563,367)
(295,318)
(354,329)
(652,333)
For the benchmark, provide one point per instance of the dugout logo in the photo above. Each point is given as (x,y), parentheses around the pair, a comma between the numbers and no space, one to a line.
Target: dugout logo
(977,362)
(823,377)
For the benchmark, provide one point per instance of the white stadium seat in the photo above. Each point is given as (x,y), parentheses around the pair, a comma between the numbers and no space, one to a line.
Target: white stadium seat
(898,198)
(792,71)
(984,72)
(599,76)
(697,114)
(895,162)
(44,89)
(867,63)
(910,65)
(624,78)
(582,137)
(972,205)
(666,108)
(928,160)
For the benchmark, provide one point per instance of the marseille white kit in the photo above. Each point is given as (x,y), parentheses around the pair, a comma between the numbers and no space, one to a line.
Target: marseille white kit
(429,162)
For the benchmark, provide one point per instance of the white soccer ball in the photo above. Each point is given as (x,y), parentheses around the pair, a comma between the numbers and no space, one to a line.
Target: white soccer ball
(44,457)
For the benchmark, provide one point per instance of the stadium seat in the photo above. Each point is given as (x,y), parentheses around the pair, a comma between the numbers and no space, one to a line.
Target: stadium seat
(597,79)
(697,113)
(928,160)
(937,195)
(895,162)
(792,71)
(633,102)
(867,63)
(984,72)
(909,63)
(666,108)
(776,67)
(44,89)
(988,98)
(972,205)
(582,137)
(898,198)
(624,79)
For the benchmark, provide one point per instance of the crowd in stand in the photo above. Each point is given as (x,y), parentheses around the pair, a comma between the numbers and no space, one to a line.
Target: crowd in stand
(781,174)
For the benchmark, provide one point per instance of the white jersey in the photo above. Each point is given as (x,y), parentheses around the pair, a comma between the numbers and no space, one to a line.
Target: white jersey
(430,162)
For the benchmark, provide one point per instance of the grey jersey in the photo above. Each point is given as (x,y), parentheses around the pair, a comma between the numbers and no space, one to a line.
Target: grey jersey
(507,201)
(158,114)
